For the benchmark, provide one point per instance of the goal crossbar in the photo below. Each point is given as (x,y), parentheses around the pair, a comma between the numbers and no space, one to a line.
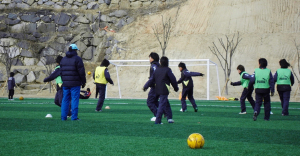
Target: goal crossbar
(208,63)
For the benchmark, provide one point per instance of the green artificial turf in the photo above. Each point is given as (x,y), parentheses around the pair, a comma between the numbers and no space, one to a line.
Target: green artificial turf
(126,129)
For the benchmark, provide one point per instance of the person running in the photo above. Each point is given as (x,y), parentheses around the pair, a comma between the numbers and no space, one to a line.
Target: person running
(247,92)
(162,78)
(187,86)
(263,82)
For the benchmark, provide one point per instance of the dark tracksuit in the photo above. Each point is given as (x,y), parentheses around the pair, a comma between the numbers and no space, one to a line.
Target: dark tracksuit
(284,92)
(263,94)
(162,78)
(85,95)
(97,92)
(188,87)
(152,100)
(59,92)
(102,89)
(10,86)
(247,93)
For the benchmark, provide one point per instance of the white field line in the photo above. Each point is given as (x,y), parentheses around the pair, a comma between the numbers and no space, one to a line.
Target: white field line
(179,104)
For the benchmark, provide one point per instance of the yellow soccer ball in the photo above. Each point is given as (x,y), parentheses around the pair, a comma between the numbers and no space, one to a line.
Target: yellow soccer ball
(89,73)
(195,140)
(21,98)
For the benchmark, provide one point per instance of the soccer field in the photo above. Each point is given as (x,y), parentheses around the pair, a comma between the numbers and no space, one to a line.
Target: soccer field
(126,129)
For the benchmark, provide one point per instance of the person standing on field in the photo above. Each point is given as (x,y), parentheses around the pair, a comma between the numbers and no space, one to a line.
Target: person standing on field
(73,77)
(102,77)
(11,85)
(284,79)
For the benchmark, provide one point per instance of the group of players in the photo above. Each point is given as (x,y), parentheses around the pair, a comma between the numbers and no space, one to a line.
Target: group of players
(161,77)
(263,82)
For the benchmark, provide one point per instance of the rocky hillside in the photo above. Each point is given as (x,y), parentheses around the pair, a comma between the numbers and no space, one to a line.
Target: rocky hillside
(268,28)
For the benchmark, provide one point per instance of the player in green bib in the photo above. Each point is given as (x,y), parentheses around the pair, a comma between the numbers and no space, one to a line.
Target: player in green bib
(247,92)
(102,77)
(263,82)
(284,79)
(56,75)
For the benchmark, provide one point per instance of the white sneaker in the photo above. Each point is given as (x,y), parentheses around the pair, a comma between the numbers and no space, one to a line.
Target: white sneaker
(271,112)
(170,121)
(243,113)
(181,110)
(153,119)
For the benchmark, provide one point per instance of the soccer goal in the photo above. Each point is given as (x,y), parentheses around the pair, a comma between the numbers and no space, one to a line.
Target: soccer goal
(129,77)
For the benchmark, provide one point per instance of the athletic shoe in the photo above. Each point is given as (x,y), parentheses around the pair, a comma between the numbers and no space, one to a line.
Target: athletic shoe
(158,123)
(196,109)
(153,118)
(98,110)
(170,121)
(68,116)
(243,113)
(255,116)
(271,112)
(183,111)
(267,119)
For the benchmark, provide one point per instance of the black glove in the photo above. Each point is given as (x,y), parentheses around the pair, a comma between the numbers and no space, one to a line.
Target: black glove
(112,84)
(176,90)
(83,85)
(202,75)
(231,83)
(144,89)
(272,94)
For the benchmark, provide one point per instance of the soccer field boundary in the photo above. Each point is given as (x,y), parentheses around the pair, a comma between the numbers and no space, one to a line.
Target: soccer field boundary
(118,103)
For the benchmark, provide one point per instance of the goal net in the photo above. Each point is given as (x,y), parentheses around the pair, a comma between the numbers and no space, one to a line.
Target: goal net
(130,76)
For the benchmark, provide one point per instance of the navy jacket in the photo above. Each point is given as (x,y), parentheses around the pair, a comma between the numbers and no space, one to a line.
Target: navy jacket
(186,75)
(261,90)
(72,70)
(53,75)
(284,87)
(11,83)
(107,76)
(153,67)
(162,78)
(245,76)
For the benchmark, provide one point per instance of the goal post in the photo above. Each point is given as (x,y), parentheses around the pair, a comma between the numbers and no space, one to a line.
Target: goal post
(118,64)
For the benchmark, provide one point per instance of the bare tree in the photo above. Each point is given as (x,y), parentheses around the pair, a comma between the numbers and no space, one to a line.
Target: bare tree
(49,63)
(165,31)
(298,60)
(7,55)
(225,56)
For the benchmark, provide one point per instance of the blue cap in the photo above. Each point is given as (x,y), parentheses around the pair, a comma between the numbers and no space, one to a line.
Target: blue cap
(74,46)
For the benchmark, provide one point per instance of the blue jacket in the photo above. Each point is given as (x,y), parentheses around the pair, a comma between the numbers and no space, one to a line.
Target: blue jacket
(11,83)
(186,76)
(154,66)
(162,78)
(53,75)
(72,70)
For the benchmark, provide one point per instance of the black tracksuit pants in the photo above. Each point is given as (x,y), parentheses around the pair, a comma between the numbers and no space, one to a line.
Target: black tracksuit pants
(246,94)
